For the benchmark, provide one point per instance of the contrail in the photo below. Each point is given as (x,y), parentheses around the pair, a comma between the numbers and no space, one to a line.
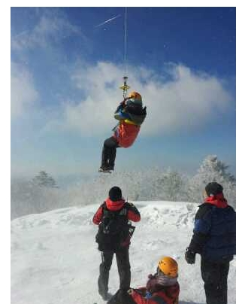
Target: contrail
(21,34)
(109,20)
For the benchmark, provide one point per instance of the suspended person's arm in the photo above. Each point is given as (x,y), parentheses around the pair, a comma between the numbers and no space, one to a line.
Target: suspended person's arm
(121,105)
(120,113)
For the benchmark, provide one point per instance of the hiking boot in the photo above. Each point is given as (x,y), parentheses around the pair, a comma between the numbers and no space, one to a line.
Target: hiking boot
(106,169)
(111,168)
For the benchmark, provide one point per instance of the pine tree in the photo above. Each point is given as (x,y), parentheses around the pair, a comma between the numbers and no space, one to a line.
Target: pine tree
(44,180)
(169,185)
(212,170)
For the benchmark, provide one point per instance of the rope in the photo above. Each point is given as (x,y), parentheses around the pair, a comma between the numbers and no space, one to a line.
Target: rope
(125,40)
(125,87)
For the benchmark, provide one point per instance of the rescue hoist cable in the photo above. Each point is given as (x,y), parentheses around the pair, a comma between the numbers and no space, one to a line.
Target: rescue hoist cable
(125,41)
(125,87)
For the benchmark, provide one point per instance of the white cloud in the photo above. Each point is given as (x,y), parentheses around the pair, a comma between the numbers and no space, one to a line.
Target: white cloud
(180,99)
(188,100)
(23,92)
(51,27)
(93,115)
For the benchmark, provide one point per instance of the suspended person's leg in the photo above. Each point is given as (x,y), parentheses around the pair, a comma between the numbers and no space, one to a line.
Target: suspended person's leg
(105,267)
(104,156)
(113,152)
(123,266)
(109,154)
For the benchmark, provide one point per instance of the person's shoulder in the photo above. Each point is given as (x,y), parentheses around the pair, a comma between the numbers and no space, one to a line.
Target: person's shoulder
(103,204)
(204,210)
(231,209)
(103,207)
(231,213)
(129,205)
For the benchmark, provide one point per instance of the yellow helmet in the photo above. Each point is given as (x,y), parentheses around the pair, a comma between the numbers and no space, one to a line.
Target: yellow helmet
(135,95)
(168,266)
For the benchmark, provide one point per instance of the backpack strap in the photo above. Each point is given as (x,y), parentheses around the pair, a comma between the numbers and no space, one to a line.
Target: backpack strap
(122,211)
(103,205)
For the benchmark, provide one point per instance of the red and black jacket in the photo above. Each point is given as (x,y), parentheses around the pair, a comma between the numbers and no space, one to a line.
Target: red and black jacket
(132,212)
(163,295)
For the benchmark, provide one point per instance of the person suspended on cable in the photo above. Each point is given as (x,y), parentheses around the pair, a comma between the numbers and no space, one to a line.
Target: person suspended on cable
(131,114)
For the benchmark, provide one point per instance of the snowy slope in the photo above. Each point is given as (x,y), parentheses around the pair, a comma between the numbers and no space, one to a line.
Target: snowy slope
(55,258)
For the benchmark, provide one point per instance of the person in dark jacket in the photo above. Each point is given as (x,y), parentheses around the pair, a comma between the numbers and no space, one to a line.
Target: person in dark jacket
(161,288)
(131,115)
(114,237)
(214,238)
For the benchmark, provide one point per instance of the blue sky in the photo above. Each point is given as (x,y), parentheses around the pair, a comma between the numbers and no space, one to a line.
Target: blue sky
(65,74)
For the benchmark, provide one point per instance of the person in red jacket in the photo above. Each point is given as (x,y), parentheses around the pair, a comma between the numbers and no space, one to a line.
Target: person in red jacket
(114,236)
(131,115)
(161,288)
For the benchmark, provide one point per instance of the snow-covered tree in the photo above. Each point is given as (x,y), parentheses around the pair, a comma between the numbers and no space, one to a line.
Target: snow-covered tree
(44,180)
(212,170)
(153,184)
(28,198)
(170,185)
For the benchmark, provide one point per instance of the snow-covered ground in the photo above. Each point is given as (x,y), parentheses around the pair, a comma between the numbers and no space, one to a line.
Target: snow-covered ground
(55,258)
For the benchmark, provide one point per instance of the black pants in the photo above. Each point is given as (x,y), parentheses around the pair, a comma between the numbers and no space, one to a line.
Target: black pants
(215,277)
(123,266)
(121,297)
(109,153)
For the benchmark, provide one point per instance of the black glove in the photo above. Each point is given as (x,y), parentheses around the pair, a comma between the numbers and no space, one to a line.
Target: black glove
(123,103)
(190,256)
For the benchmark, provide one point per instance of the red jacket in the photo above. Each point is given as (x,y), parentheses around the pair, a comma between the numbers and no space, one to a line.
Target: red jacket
(126,134)
(132,212)
(166,295)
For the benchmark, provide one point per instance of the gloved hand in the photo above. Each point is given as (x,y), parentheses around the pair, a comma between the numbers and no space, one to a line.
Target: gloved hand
(123,103)
(190,256)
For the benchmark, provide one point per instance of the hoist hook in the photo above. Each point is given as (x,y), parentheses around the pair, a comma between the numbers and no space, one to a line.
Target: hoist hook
(125,87)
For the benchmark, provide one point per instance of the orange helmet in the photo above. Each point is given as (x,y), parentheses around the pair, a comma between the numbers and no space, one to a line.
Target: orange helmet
(135,95)
(169,267)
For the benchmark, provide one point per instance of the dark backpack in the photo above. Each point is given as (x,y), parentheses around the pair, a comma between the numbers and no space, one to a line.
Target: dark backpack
(115,231)
(136,113)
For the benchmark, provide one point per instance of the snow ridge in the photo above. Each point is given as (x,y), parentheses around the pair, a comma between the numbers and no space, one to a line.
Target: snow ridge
(55,258)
